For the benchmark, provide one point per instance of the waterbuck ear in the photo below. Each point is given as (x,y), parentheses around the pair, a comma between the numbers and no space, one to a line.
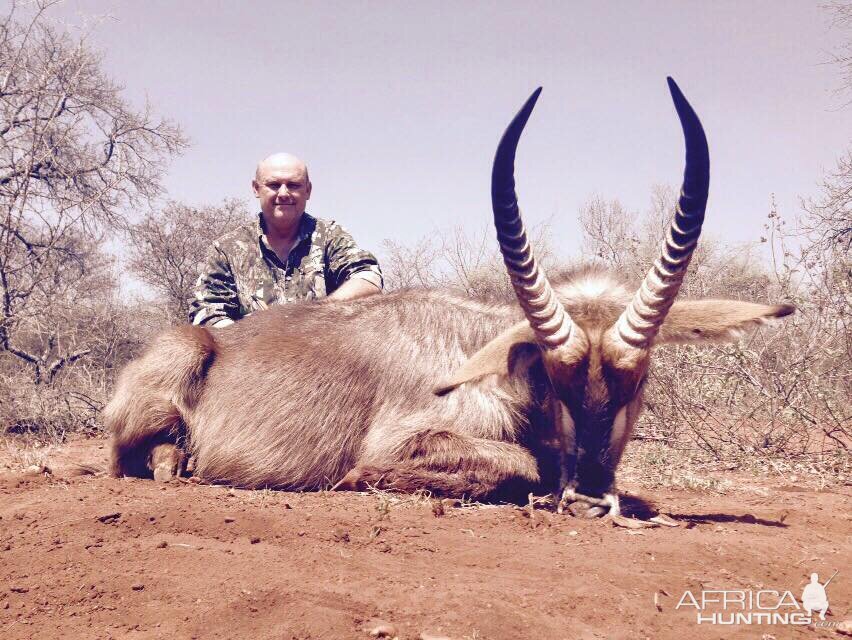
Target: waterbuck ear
(691,321)
(494,357)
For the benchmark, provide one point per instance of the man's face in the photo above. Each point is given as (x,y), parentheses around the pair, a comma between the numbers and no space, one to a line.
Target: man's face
(283,189)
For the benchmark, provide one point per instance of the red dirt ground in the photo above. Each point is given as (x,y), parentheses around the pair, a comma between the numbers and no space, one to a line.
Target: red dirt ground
(98,557)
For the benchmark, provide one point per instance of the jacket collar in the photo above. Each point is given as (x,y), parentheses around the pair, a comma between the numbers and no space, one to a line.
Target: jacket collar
(307,225)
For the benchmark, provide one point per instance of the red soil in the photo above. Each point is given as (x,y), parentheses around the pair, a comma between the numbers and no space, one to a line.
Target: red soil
(98,557)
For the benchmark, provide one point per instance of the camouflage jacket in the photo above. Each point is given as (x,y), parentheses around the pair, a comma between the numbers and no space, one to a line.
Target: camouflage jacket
(242,273)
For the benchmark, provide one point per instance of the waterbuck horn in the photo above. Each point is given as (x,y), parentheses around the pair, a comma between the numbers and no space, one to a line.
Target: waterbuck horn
(641,320)
(547,317)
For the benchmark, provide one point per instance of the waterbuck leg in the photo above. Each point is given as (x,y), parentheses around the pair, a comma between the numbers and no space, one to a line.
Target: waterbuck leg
(409,478)
(449,464)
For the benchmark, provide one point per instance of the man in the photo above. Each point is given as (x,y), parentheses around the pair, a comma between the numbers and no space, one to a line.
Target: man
(814,598)
(286,255)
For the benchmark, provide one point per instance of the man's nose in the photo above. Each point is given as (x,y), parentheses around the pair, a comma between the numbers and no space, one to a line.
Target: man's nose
(283,191)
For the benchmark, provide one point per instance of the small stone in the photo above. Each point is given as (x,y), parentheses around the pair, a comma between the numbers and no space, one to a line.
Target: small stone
(19,589)
(255,540)
(162,544)
(437,508)
(109,518)
(844,628)
(229,520)
(37,470)
(340,535)
(137,587)
(383,630)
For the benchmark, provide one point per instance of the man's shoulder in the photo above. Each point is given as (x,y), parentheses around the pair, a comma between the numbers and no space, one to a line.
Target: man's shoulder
(325,228)
(241,238)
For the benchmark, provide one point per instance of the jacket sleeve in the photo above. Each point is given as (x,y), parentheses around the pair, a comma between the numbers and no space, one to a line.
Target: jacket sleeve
(215,298)
(345,260)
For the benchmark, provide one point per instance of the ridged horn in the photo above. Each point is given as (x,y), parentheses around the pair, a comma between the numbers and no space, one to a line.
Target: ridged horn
(547,317)
(643,317)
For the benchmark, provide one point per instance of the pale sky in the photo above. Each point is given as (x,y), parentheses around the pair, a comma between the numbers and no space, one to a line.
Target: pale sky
(398,106)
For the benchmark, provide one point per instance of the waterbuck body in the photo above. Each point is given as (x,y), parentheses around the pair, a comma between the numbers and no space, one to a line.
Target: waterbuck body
(423,389)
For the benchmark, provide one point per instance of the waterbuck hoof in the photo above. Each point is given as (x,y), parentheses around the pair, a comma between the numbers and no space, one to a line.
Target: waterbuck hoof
(362,479)
(167,462)
(352,481)
(583,506)
(582,509)
(164,472)
(578,508)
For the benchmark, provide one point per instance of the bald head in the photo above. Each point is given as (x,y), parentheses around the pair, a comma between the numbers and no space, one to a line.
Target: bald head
(282,160)
(283,188)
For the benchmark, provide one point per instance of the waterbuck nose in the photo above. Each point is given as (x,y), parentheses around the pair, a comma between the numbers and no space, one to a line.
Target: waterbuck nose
(594,478)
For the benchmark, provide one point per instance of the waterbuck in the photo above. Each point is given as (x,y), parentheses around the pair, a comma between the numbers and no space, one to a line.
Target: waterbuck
(425,389)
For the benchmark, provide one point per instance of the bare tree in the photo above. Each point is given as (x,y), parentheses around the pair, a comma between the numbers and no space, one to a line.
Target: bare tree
(404,267)
(828,218)
(609,235)
(74,156)
(468,261)
(629,241)
(841,18)
(166,247)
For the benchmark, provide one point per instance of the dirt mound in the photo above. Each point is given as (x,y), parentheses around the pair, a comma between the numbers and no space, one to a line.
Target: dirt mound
(95,557)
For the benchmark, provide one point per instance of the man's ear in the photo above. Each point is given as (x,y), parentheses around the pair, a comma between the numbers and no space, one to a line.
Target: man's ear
(256,188)
(494,358)
(692,321)
(308,190)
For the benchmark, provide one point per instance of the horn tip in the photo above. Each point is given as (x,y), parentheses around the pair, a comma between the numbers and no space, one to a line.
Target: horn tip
(532,99)
(674,88)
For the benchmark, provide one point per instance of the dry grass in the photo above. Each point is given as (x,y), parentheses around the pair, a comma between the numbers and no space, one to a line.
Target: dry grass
(660,465)
(25,454)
